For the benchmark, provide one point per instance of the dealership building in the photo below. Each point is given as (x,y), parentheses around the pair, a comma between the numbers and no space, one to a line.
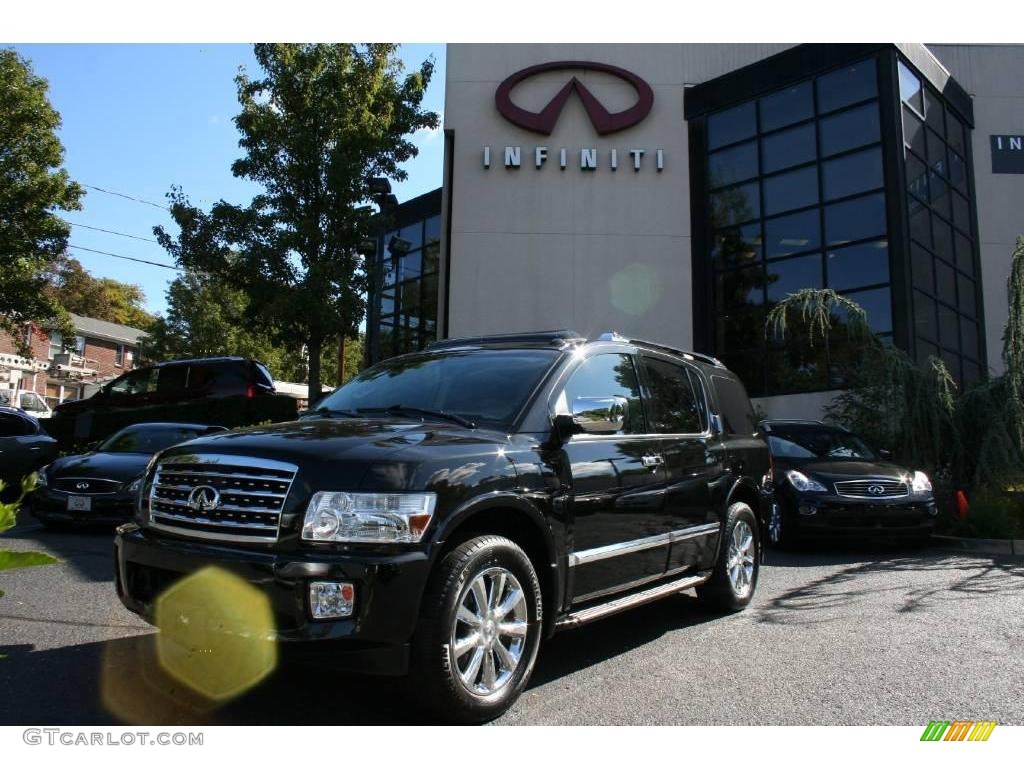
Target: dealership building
(676,192)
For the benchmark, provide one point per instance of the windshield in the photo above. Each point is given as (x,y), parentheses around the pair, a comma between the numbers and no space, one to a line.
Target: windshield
(146,439)
(832,444)
(480,385)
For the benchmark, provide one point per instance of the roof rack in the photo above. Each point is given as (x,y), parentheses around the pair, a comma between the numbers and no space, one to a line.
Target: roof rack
(560,338)
(766,424)
(700,356)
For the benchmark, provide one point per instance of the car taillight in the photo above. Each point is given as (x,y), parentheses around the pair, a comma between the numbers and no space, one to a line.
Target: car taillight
(250,392)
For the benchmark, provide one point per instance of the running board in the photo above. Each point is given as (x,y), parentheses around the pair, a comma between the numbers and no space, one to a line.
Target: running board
(619,604)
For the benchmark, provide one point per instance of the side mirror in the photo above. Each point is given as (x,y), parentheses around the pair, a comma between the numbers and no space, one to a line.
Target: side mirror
(717,424)
(600,415)
(885,454)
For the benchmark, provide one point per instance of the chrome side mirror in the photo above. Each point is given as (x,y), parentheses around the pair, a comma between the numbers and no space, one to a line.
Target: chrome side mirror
(600,415)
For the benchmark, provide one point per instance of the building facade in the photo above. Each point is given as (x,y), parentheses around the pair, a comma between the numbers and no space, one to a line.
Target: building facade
(61,369)
(677,192)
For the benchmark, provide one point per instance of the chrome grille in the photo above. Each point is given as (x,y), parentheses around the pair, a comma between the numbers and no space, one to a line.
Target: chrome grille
(87,486)
(881,488)
(230,498)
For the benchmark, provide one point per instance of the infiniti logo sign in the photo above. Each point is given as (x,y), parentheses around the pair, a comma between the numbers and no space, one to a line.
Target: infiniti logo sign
(876,490)
(204,498)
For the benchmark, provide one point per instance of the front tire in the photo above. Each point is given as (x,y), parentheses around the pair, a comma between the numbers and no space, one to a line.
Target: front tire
(479,631)
(734,578)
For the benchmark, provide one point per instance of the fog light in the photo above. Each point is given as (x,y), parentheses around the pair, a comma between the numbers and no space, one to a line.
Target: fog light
(807,509)
(331,599)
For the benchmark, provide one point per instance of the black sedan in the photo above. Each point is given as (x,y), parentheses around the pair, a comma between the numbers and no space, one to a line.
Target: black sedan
(24,448)
(100,486)
(829,483)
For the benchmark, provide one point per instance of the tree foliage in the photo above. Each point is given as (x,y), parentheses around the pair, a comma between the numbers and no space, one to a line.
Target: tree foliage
(321,122)
(100,297)
(8,518)
(33,186)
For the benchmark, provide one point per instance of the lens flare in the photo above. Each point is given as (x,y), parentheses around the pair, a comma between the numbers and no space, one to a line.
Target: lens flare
(216,633)
(635,290)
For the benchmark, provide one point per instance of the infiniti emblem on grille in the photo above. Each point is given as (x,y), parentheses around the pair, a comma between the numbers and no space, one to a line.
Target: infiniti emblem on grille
(874,490)
(82,485)
(204,498)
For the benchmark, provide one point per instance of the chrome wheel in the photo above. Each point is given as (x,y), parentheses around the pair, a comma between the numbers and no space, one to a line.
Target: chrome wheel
(489,632)
(740,564)
(775,524)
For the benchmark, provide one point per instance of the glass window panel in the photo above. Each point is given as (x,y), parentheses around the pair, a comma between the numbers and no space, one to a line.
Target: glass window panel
(965,295)
(428,290)
(850,174)
(792,234)
(790,275)
(961,212)
(913,131)
(728,166)
(920,222)
(410,296)
(739,288)
(949,328)
(858,265)
(910,88)
(788,148)
(917,177)
(740,329)
(877,303)
(786,107)
(956,135)
(411,264)
(952,361)
(936,148)
(925,351)
(972,374)
(945,283)
(390,271)
(387,302)
(926,324)
(736,247)
(922,269)
(856,219)
(608,375)
(432,227)
(797,366)
(943,239)
(938,192)
(735,205)
(849,129)
(969,338)
(794,189)
(934,114)
(414,234)
(958,172)
(673,405)
(847,85)
(731,125)
(431,254)
(749,365)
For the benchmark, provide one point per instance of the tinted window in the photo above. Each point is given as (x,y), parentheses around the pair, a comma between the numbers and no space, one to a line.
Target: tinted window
(792,147)
(791,234)
(788,106)
(12,425)
(219,379)
(852,128)
(263,375)
(850,174)
(729,166)
(847,86)
(606,376)
(817,442)
(482,385)
(855,219)
(790,275)
(135,383)
(735,406)
(171,379)
(147,439)
(858,265)
(731,125)
(787,191)
(735,205)
(673,406)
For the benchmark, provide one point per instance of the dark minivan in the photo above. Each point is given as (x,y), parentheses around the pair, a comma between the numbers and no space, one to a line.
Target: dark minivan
(227,391)
(445,510)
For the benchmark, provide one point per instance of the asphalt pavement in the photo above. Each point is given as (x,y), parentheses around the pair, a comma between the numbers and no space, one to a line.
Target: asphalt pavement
(864,635)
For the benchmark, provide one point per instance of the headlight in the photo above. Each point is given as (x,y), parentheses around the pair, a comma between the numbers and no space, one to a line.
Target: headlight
(802,482)
(368,517)
(921,483)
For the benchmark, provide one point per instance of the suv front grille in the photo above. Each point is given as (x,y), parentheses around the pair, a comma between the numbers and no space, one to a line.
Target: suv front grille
(872,489)
(231,498)
(86,485)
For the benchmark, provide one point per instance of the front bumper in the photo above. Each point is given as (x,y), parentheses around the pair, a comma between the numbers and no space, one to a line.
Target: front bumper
(107,508)
(842,516)
(373,640)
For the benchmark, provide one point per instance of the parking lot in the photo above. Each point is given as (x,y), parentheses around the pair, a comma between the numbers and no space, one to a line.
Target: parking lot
(868,635)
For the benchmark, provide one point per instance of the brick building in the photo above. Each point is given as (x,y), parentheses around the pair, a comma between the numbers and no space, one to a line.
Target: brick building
(61,369)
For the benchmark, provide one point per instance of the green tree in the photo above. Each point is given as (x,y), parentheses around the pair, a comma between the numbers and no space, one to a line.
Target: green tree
(320,123)
(100,297)
(8,518)
(33,186)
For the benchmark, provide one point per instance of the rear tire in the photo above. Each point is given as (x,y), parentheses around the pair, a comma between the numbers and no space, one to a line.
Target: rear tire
(479,630)
(734,578)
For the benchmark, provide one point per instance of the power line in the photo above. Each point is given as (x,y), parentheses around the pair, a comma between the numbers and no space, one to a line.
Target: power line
(119,256)
(126,197)
(111,232)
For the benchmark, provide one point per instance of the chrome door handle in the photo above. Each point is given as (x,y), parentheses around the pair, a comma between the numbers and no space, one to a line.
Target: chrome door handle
(653,461)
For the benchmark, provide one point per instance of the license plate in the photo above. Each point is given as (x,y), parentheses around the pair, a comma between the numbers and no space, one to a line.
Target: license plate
(79,504)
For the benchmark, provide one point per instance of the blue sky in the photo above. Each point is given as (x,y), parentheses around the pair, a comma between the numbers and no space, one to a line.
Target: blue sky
(139,118)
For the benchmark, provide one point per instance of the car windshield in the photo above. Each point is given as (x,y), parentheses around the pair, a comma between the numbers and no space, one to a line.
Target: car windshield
(146,439)
(818,443)
(487,386)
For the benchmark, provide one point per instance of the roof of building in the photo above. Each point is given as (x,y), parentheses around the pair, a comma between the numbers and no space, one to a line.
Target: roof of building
(90,326)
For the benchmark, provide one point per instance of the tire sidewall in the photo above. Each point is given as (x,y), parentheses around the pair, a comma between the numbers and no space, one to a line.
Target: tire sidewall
(737,512)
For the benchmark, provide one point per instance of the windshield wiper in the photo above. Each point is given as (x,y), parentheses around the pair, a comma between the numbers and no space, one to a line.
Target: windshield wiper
(331,412)
(400,409)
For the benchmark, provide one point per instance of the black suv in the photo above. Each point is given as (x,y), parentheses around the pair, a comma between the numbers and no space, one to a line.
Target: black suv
(442,512)
(829,483)
(226,391)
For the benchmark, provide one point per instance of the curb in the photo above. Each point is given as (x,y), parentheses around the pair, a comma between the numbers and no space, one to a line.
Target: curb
(982,546)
